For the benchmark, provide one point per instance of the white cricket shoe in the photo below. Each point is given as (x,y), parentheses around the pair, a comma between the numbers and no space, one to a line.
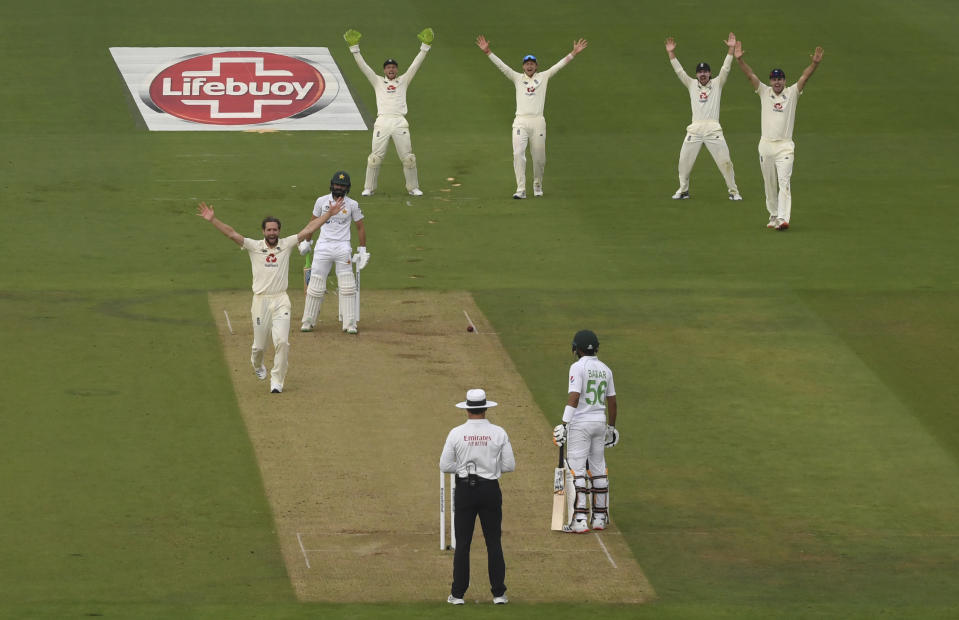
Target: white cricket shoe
(452,600)
(772,221)
(520,194)
(681,195)
(579,526)
(275,389)
(260,372)
(782,224)
(306,327)
(537,190)
(416,192)
(367,192)
(500,600)
(735,196)
(599,522)
(350,330)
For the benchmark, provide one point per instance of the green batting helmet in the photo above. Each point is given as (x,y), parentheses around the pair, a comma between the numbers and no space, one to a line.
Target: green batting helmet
(585,341)
(340,178)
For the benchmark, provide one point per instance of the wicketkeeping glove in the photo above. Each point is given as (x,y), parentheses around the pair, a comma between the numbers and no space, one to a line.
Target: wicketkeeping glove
(426,36)
(352,37)
(305,246)
(559,435)
(612,436)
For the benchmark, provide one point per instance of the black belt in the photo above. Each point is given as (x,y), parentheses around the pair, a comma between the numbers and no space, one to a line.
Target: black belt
(479,481)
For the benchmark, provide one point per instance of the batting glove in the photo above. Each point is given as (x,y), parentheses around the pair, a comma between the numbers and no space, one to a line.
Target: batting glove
(352,37)
(362,257)
(305,246)
(559,435)
(612,436)
(426,36)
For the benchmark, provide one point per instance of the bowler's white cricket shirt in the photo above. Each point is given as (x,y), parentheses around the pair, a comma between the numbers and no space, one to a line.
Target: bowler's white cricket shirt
(593,380)
(479,442)
(530,91)
(337,228)
(778,111)
(390,94)
(271,266)
(704,100)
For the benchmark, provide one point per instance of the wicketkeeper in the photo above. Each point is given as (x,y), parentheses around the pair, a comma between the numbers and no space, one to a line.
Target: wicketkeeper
(391,123)
(592,396)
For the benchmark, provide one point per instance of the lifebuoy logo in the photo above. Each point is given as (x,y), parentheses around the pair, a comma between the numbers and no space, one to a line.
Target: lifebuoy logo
(237,88)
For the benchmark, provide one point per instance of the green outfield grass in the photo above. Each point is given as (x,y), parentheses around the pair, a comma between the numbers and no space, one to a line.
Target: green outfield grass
(790,445)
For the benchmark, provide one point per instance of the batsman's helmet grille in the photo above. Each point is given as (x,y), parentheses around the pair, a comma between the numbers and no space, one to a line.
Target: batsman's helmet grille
(585,340)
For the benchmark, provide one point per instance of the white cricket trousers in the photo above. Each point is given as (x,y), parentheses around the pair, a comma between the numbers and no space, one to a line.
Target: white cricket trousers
(271,316)
(529,130)
(395,127)
(586,441)
(716,145)
(776,162)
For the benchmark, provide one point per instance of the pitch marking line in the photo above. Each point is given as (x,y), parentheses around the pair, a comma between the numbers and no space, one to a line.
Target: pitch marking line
(299,539)
(605,550)
(470,321)
(228,324)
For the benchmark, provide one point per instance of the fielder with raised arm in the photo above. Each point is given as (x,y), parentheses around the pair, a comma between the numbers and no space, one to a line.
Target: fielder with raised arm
(333,248)
(704,95)
(776,147)
(390,89)
(270,260)
(529,126)
(586,432)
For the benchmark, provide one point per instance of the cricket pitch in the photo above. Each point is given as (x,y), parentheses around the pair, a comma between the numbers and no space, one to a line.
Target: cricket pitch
(349,456)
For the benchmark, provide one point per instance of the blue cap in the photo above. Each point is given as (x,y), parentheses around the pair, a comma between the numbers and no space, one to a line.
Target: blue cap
(529,57)
(777,73)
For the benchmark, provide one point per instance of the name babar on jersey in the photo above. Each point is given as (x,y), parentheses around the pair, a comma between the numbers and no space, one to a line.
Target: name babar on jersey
(596,374)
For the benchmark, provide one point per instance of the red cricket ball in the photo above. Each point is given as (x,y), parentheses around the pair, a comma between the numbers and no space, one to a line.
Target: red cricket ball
(469,328)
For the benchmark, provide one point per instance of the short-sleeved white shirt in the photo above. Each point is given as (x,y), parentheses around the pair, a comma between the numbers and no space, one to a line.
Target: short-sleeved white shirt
(778,111)
(271,266)
(337,228)
(593,380)
(482,443)
(530,91)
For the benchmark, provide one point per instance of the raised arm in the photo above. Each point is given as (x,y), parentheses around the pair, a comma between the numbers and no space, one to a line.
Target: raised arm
(483,44)
(578,46)
(750,75)
(671,48)
(206,212)
(807,73)
(353,38)
(677,67)
(316,222)
(728,61)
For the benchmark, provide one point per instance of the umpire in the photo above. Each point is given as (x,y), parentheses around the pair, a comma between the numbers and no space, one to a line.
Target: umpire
(478,452)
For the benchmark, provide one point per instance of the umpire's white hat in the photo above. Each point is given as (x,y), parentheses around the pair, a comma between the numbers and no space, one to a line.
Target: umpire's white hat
(476,399)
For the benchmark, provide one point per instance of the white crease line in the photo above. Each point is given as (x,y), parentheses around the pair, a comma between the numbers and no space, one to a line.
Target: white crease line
(470,321)
(228,324)
(606,551)
(303,549)
(184,180)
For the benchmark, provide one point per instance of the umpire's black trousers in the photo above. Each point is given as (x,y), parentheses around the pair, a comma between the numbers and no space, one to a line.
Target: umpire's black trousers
(486,501)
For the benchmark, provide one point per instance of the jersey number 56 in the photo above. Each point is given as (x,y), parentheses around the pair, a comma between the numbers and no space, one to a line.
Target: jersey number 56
(595,392)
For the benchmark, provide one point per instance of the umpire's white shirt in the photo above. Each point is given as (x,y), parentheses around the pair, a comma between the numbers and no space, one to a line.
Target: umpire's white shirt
(390,94)
(704,100)
(593,381)
(778,111)
(337,228)
(482,443)
(530,91)
(271,266)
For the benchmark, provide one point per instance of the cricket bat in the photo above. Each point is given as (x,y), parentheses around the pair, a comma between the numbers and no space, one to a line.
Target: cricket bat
(559,493)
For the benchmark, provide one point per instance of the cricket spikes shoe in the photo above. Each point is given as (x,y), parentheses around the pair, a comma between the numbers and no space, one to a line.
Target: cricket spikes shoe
(500,600)
(735,196)
(782,224)
(350,330)
(306,327)
(579,526)
(599,522)
(275,389)
(416,192)
(452,600)
(537,190)
(520,194)
(260,372)
(367,192)
(772,221)
(681,195)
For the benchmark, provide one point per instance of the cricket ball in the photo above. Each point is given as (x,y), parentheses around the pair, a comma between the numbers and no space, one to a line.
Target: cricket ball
(469,328)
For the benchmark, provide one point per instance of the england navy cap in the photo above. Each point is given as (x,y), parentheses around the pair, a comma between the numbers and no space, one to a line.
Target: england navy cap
(777,73)
(390,61)
(703,66)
